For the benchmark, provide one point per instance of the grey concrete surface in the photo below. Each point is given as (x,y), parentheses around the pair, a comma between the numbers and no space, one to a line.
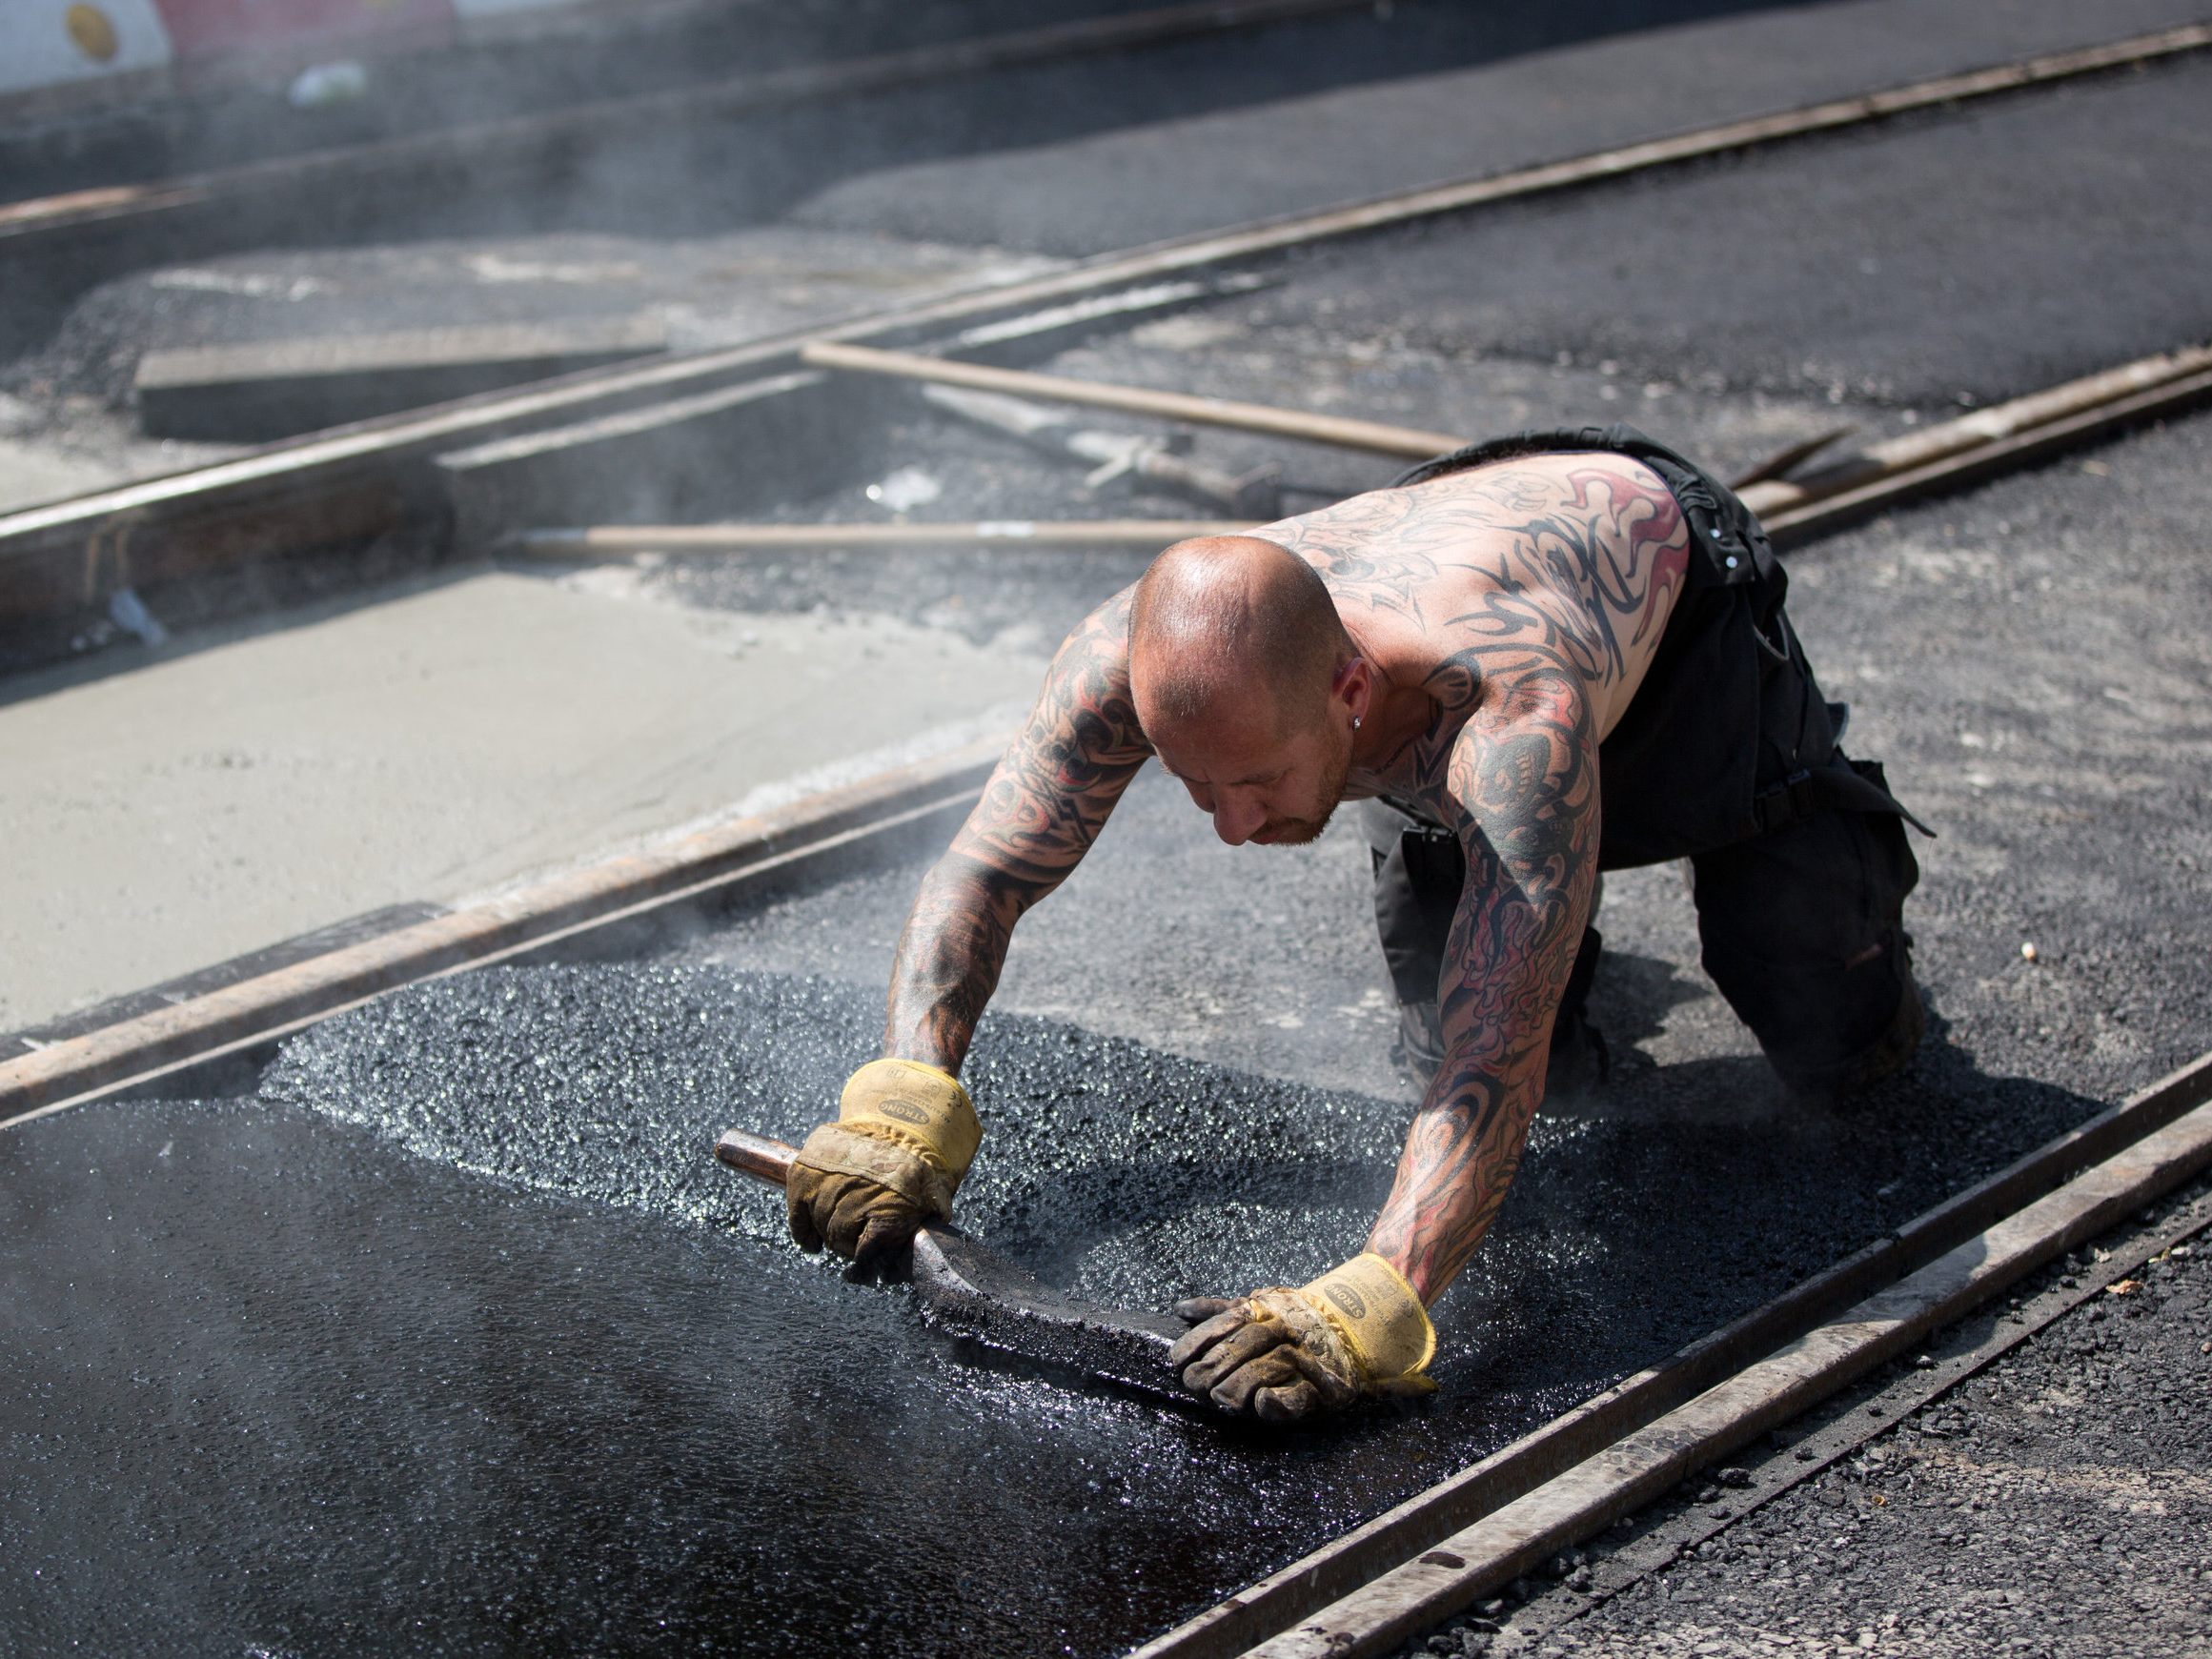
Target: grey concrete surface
(1293,155)
(257,782)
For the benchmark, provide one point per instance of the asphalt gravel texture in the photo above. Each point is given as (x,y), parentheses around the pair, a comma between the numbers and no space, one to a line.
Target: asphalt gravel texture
(450,1326)
(2054,1504)
(1544,83)
(502,1345)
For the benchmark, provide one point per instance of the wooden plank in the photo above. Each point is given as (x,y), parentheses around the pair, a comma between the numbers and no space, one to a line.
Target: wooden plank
(255,391)
(611,538)
(1407,442)
(1518,1537)
(1275,1603)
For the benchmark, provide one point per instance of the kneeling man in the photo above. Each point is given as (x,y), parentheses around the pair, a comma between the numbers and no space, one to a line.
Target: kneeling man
(1534,660)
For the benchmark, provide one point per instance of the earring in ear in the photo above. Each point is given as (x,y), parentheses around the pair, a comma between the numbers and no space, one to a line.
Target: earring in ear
(1356,722)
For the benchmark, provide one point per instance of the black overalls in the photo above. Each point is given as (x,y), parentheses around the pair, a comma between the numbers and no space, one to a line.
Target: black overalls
(1727,756)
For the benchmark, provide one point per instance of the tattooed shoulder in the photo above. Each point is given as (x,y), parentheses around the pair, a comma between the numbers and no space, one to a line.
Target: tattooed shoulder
(1075,753)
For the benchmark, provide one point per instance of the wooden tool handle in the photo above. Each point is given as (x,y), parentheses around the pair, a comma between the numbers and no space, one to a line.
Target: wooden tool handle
(756,1156)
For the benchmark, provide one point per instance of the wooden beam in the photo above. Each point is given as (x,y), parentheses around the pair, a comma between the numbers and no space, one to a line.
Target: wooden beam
(1407,442)
(1073,533)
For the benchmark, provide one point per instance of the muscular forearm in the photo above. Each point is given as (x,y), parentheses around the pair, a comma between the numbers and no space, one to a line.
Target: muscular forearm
(948,961)
(1459,1160)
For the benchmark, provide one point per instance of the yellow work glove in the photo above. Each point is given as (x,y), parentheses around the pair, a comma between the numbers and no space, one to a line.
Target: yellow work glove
(1281,1354)
(905,1135)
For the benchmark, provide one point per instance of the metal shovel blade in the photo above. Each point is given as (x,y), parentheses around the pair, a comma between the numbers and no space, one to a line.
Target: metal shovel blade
(973,1292)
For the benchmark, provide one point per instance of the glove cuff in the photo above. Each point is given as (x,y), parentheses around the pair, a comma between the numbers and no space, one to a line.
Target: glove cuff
(835,1149)
(1371,1308)
(917,1107)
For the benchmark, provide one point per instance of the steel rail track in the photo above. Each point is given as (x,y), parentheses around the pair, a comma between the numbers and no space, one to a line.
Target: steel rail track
(1848,1421)
(352,483)
(1806,1347)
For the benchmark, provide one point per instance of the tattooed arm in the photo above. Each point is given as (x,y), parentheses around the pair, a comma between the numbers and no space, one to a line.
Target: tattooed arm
(1524,771)
(1038,814)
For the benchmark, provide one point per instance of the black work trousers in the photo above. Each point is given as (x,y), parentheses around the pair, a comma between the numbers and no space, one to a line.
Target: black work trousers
(1730,758)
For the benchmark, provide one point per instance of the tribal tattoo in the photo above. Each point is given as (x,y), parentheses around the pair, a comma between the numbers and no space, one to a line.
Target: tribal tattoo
(1542,589)
(1041,809)
(1524,773)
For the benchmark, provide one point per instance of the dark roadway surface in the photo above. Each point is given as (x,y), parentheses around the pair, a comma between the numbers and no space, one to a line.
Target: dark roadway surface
(296,1384)
(1100,193)
(374,1395)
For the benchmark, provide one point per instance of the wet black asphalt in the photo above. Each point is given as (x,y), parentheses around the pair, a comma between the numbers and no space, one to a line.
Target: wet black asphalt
(503,1360)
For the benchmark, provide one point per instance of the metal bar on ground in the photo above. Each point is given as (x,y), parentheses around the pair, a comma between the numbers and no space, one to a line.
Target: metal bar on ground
(1274,1604)
(1501,1546)
(1773,498)
(585,541)
(1833,512)
(205,497)
(1409,442)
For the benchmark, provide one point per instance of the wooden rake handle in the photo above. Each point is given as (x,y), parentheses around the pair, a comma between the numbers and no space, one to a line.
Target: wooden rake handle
(756,1155)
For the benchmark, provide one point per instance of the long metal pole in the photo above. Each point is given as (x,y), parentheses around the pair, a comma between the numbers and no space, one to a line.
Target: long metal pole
(1409,442)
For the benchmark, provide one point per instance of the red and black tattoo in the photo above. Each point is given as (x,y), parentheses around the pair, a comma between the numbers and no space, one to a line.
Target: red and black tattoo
(1039,814)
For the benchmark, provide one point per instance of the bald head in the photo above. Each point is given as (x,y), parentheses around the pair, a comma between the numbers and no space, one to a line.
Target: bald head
(1219,616)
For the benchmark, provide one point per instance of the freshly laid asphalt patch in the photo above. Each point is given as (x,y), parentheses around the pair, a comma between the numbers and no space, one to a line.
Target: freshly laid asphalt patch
(500,1356)
(494,1333)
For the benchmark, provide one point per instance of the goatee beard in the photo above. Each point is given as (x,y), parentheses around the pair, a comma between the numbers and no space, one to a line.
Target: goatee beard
(1299,831)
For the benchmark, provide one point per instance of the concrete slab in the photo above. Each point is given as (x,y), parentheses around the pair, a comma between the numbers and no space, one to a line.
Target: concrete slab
(1296,153)
(246,785)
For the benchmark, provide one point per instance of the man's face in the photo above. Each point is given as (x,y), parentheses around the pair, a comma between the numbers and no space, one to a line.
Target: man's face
(1274,782)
